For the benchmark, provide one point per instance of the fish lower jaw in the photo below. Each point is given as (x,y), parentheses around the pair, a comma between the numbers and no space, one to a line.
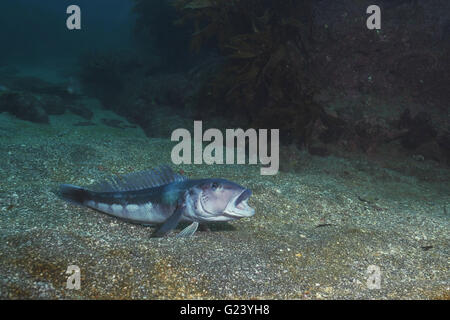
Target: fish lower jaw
(242,210)
(235,216)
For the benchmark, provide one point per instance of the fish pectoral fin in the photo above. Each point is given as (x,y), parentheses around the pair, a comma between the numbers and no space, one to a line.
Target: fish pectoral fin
(170,224)
(188,231)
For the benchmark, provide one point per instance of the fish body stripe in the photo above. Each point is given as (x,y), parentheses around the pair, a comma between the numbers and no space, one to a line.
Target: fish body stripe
(142,213)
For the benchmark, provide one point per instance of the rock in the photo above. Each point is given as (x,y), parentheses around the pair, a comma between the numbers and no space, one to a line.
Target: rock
(171,89)
(418,157)
(53,105)
(322,97)
(444,142)
(81,111)
(115,123)
(24,106)
(319,150)
(37,86)
(430,150)
(83,124)
(420,129)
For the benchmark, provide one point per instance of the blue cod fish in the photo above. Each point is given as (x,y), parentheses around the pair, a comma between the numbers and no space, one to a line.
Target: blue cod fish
(162,197)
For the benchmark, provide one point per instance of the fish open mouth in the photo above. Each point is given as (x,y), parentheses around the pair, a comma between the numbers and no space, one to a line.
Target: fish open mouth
(238,207)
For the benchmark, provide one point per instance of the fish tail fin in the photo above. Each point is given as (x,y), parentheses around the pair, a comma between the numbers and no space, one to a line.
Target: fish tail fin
(73,193)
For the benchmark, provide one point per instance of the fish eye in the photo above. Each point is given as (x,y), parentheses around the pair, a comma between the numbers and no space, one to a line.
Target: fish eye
(214,186)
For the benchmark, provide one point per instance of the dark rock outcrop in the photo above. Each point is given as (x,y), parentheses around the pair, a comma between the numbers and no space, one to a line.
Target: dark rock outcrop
(23,105)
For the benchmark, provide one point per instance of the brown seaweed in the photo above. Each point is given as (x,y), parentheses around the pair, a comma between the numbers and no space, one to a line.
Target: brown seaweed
(267,80)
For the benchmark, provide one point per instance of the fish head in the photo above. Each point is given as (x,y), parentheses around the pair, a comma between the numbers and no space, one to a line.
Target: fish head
(221,200)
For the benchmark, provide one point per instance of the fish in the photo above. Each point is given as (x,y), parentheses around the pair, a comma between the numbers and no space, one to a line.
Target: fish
(164,198)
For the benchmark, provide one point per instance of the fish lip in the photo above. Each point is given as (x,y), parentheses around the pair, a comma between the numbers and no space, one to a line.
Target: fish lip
(233,211)
(245,195)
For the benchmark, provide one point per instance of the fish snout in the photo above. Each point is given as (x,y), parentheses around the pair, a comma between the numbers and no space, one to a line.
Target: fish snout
(239,207)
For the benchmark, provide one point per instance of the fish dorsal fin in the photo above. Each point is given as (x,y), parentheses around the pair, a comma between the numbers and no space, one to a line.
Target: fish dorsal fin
(138,180)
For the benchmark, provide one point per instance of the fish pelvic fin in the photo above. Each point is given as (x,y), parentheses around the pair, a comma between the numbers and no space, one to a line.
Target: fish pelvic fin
(188,231)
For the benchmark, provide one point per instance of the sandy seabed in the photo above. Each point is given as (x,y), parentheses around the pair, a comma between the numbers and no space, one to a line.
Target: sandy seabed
(315,233)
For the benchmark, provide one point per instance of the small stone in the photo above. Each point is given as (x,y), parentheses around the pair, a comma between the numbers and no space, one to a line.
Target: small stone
(328,290)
